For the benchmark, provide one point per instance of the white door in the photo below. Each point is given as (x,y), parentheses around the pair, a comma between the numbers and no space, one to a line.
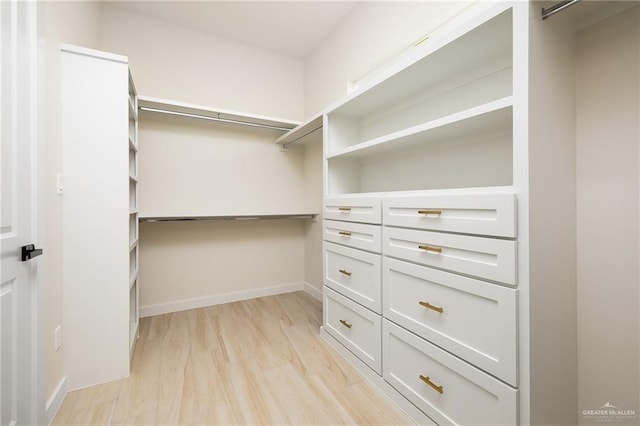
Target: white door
(18,389)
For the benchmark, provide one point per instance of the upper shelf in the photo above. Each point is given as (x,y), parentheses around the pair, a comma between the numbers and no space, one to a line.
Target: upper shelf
(182,109)
(483,119)
(302,132)
(487,38)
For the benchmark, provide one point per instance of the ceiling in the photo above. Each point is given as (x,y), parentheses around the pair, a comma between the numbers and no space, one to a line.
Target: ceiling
(292,28)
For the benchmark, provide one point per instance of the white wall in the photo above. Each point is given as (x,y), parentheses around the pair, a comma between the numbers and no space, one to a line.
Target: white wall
(608,186)
(174,62)
(194,167)
(190,167)
(210,260)
(371,34)
(550,294)
(76,23)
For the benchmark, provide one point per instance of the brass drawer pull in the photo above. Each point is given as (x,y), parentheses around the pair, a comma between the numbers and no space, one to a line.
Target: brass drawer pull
(430,248)
(344,209)
(343,271)
(346,324)
(430,306)
(428,381)
(436,212)
(345,233)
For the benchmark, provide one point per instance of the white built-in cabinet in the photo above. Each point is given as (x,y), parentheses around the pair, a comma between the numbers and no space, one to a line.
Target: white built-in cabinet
(98,186)
(427,271)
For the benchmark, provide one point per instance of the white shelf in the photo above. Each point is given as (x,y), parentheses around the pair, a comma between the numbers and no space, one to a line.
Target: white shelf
(464,48)
(480,190)
(133,145)
(150,104)
(133,244)
(133,178)
(301,133)
(179,218)
(482,119)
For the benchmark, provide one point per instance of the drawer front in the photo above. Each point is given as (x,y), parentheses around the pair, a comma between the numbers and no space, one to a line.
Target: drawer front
(353,273)
(357,328)
(360,209)
(356,235)
(472,319)
(482,214)
(488,258)
(447,389)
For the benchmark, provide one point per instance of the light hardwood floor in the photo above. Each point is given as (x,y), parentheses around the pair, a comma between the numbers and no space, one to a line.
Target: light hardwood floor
(258,361)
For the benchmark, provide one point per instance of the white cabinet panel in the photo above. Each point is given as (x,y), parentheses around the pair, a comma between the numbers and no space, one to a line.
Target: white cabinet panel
(482,214)
(447,389)
(357,328)
(354,273)
(356,235)
(353,209)
(470,318)
(488,258)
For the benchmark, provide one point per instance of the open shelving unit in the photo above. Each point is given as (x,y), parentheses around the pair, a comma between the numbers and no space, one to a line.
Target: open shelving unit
(417,163)
(443,120)
(134,246)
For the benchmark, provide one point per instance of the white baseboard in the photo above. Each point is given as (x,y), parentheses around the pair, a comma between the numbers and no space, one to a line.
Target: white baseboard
(217,299)
(55,402)
(313,292)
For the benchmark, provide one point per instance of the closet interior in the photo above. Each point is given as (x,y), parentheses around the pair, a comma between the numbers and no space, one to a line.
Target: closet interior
(462,215)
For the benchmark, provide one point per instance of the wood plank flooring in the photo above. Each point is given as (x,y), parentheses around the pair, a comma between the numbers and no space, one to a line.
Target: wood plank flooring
(258,361)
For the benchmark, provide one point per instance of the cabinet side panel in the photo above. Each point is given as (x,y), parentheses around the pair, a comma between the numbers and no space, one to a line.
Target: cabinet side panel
(95,219)
(552,209)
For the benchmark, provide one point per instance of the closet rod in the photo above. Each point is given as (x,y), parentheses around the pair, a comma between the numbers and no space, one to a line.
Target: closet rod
(547,13)
(284,145)
(220,119)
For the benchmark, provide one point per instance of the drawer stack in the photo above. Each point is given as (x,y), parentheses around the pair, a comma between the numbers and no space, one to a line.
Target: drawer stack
(352,276)
(436,280)
(450,318)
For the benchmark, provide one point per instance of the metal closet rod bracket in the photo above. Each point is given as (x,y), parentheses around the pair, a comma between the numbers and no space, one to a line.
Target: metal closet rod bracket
(547,13)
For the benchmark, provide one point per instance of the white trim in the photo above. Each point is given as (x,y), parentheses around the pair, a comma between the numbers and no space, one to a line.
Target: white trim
(217,299)
(93,53)
(378,382)
(313,291)
(55,401)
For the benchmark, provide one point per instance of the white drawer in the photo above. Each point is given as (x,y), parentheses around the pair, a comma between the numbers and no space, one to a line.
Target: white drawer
(354,273)
(472,319)
(356,235)
(353,209)
(458,394)
(357,328)
(481,257)
(482,214)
